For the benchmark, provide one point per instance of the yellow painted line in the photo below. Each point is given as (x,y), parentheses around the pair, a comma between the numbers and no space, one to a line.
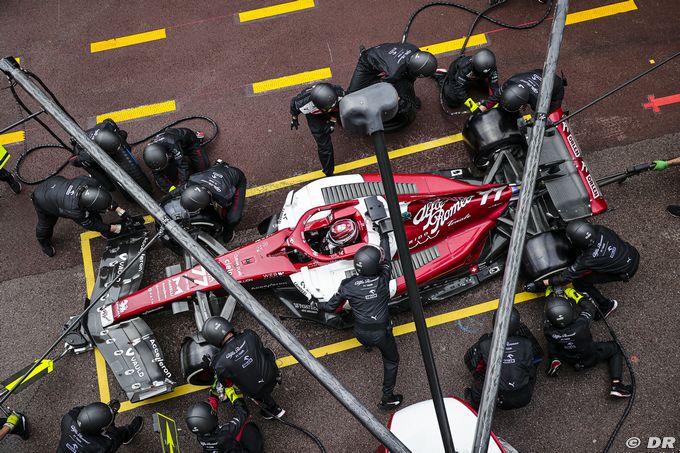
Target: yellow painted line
(291,80)
(456,44)
(12,137)
(275,10)
(365,162)
(129,40)
(102,377)
(600,12)
(139,112)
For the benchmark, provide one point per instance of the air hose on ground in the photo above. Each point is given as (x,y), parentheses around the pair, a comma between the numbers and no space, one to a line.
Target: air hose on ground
(311,435)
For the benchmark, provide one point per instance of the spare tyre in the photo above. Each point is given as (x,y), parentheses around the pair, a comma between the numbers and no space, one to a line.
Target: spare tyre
(487,132)
(194,361)
(546,254)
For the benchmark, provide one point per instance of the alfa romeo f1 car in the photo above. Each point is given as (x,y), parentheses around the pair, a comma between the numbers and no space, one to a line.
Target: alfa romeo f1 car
(458,227)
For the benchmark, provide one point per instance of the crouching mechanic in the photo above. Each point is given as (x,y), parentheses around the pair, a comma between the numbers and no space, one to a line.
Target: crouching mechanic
(522,89)
(223,186)
(173,155)
(465,71)
(521,357)
(237,436)
(319,104)
(80,199)
(368,293)
(568,320)
(91,429)
(604,257)
(16,424)
(243,361)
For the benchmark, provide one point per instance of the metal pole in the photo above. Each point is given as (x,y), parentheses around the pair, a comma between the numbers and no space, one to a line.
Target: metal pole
(247,301)
(412,287)
(500,333)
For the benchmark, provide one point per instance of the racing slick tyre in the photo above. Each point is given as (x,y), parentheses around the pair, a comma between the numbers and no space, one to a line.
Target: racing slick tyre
(127,162)
(194,361)
(546,254)
(486,133)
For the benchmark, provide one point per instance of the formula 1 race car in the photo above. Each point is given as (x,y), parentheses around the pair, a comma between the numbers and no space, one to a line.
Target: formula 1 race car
(458,228)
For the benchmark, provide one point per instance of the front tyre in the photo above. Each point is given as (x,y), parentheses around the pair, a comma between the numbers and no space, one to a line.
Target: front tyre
(195,367)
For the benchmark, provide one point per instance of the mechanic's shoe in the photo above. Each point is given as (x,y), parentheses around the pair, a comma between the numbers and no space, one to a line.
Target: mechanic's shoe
(134,428)
(272,412)
(673,210)
(14,185)
(620,390)
(21,428)
(390,402)
(200,135)
(439,75)
(607,310)
(48,250)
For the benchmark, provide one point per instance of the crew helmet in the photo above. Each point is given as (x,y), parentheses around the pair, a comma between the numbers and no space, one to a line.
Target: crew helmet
(95,199)
(483,62)
(201,419)
(155,156)
(367,260)
(514,321)
(195,198)
(422,64)
(95,418)
(514,96)
(324,96)
(581,233)
(107,140)
(215,329)
(559,311)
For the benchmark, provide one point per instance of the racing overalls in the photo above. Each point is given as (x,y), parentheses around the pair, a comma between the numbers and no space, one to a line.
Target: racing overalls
(388,63)
(532,81)
(185,156)
(227,186)
(320,123)
(460,76)
(245,362)
(574,343)
(610,259)
(83,159)
(369,298)
(237,436)
(58,197)
(74,441)
(521,357)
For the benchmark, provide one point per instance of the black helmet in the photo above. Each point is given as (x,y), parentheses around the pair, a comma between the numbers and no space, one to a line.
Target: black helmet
(155,156)
(195,198)
(514,96)
(107,140)
(201,419)
(514,321)
(367,260)
(324,96)
(95,199)
(94,418)
(559,311)
(483,62)
(422,64)
(215,329)
(581,233)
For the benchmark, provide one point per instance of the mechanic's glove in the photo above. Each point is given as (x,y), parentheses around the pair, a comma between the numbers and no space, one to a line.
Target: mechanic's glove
(294,123)
(534,287)
(233,394)
(555,365)
(116,228)
(214,403)
(331,126)
(122,213)
(660,165)
(12,421)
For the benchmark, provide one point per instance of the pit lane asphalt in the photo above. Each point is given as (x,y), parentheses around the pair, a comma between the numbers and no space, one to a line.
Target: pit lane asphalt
(207,67)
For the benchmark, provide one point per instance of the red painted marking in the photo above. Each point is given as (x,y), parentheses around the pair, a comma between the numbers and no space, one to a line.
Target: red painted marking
(655,103)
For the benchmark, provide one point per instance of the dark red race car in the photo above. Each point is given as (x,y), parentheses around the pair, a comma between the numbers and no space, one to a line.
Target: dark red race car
(458,227)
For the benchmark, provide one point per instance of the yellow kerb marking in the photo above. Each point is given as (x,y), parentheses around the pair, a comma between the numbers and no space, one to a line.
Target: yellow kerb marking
(602,11)
(275,10)
(456,44)
(129,40)
(292,80)
(139,112)
(12,137)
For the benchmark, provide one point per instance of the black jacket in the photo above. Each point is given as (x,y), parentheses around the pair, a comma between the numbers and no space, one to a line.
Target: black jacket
(532,80)
(368,296)
(609,255)
(221,180)
(459,77)
(389,61)
(82,157)
(302,103)
(245,362)
(74,441)
(223,439)
(522,354)
(176,141)
(575,341)
(58,196)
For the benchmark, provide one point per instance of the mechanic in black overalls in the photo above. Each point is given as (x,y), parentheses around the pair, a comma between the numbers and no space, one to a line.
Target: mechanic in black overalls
(16,424)
(465,71)
(236,436)
(222,185)
(173,155)
(5,175)
(80,199)
(91,429)
(243,361)
(521,357)
(604,257)
(567,328)
(368,293)
(522,89)
(319,104)
(110,139)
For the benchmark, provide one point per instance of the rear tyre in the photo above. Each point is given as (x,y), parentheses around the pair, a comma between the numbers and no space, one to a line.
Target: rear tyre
(195,368)
(546,254)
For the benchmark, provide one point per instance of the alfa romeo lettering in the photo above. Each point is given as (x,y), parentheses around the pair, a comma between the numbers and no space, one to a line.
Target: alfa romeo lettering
(436,213)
